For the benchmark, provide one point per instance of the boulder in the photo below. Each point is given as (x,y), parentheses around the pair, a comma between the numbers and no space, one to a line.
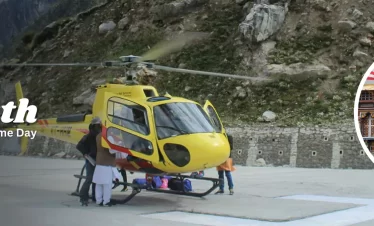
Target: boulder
(240,93)
(263,21)
(107,26)
(346,26)
(123,23)
(370,26)
(90,100)
(365,41)
(269,116)
(86,98)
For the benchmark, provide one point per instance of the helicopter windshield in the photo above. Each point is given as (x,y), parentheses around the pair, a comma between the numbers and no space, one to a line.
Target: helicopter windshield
(174,119)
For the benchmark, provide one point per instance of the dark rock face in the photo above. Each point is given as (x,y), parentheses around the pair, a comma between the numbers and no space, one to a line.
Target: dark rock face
(15,15)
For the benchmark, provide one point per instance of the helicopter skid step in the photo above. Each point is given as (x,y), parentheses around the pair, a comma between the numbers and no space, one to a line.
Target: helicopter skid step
(135,190)
(215,182)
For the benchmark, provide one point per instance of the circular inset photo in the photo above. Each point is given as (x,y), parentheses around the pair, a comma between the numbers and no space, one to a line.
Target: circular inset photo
(364,112)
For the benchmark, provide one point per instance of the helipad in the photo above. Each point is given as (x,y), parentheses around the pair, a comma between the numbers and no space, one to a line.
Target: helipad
(35,192)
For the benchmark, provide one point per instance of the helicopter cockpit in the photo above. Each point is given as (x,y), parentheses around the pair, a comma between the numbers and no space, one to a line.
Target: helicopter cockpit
(164,129)
(180,118)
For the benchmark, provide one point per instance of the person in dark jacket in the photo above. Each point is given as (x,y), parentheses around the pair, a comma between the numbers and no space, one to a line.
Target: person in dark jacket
(87,146)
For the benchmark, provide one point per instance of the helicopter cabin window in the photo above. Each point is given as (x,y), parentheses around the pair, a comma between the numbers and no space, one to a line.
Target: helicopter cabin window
(128,115)
(215,120)
(127,140)
(175,119)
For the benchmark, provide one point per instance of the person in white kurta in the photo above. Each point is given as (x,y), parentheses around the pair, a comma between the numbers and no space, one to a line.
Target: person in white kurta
(104,175)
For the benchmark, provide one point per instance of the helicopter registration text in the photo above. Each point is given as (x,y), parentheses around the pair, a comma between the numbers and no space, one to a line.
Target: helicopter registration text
(61,131)
(19,133)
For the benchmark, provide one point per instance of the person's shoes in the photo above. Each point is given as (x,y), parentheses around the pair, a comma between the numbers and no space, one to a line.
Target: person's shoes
(124,189)
(84,202)
(101,204)
(219,192)
(231,191)
(109,204)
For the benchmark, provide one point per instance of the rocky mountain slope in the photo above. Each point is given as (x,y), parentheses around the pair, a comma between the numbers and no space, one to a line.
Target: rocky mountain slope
(18,16)
(316,50)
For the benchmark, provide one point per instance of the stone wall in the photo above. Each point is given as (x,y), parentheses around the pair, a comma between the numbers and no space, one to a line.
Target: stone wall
(317,147)
(259,145)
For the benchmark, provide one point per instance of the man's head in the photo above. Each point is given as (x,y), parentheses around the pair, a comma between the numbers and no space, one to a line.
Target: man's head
(95,125)
(96,121)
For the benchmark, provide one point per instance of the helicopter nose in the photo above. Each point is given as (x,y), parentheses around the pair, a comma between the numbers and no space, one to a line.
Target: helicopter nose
(197,151)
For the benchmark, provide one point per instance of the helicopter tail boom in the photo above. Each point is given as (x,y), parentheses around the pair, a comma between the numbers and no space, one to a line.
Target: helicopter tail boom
(70,132)
(70,128)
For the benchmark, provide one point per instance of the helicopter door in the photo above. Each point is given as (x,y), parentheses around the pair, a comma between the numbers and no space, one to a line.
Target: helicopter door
(212,113)
(127,124)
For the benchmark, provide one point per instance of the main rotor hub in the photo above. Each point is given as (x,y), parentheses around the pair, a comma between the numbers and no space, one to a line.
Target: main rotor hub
(129,58)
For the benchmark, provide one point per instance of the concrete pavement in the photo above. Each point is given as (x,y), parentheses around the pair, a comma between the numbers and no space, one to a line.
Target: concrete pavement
(35,191)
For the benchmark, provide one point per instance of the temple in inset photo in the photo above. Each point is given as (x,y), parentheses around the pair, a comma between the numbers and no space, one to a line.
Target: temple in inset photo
(366,112)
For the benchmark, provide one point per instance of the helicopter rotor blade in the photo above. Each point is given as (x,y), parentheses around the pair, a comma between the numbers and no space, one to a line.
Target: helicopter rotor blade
(54,64)
(171,69)
(168,46)
(103,64)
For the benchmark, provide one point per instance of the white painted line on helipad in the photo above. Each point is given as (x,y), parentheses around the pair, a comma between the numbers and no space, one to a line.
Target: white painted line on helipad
(321,198)
(338,218)
(206,219)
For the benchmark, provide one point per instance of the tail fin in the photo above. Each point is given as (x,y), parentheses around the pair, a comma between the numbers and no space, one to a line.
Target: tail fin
(24,144)
(19,92)
(24,140)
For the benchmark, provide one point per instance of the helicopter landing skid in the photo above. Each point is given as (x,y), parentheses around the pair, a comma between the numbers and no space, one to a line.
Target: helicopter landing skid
(136,189)
(76,192)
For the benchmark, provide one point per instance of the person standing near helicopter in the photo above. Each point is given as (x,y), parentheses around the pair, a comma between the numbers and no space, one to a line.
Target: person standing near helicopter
(103,175)
(87,146)
(226,168)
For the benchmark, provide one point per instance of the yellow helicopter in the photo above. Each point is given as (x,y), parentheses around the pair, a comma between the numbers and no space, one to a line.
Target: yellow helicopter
(177,135)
